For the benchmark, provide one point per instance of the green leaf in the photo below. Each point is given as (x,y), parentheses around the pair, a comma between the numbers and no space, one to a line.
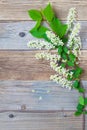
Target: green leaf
(81,100)
(38,32)
(48,13)
(84,112)
(60,49)
(64,56)
(63,65)
(65,49)
(35,15)
(59,28)
(70,63)
(78,72)
(76,84)
(46,38)
(81,90)
(80,107)
(77,113)
(72,57)
(85,101)
(38,24)
(64,39)
(69,78)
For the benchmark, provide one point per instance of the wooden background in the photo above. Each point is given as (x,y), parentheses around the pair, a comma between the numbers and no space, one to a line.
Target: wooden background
(20,73)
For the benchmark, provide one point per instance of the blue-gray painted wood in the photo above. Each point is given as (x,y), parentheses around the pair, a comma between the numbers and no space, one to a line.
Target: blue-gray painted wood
(15,35)
(20,95)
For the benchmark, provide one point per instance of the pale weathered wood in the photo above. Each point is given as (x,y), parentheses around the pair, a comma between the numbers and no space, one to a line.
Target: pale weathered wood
(41,121)
(22,65)
(17,9)
(86,121)
(10,35)
(20,95)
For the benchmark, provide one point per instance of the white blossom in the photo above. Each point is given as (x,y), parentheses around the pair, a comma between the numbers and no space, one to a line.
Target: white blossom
(72,37)
(48,56)
(71,18)
(60,70)
(63,81)
(54,39)
(74,41)
(40,44)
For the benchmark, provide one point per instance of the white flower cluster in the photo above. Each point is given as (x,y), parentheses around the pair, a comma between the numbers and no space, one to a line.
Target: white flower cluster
(60,70)
(73,44)
(48,56)
(63,81)
(76,47)
(74,41)
(54,39)
(71,18)
(54,64)
(40,44)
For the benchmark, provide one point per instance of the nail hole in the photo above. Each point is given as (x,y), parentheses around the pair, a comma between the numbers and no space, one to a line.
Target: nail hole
(65,115)
(22,34)
(11,116)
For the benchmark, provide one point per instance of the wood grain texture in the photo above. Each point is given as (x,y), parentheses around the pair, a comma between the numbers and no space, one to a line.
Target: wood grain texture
(85,120)
(17,10)
(22,65)
(41,121)
(10,35)
(19,95)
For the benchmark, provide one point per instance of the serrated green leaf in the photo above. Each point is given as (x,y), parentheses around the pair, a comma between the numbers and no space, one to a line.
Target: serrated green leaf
(64,39)
(46,38)
(81,100)
(76,84)
(38,32)
(60,49)
(81,90)
(48,13)
(72,57)
(65,49)
(63,65)
(69,78)
(64,56)
(35,15)
(78,72)
(70,63)
(59,28)
(80,107)
(63,28)
(38,24)
(85,101)
(77,113)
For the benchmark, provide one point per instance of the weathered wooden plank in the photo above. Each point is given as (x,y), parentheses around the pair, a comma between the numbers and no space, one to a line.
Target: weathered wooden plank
(41,121)
(22,65)
(17,10)
(86,121)
(36,95)
(10,35)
